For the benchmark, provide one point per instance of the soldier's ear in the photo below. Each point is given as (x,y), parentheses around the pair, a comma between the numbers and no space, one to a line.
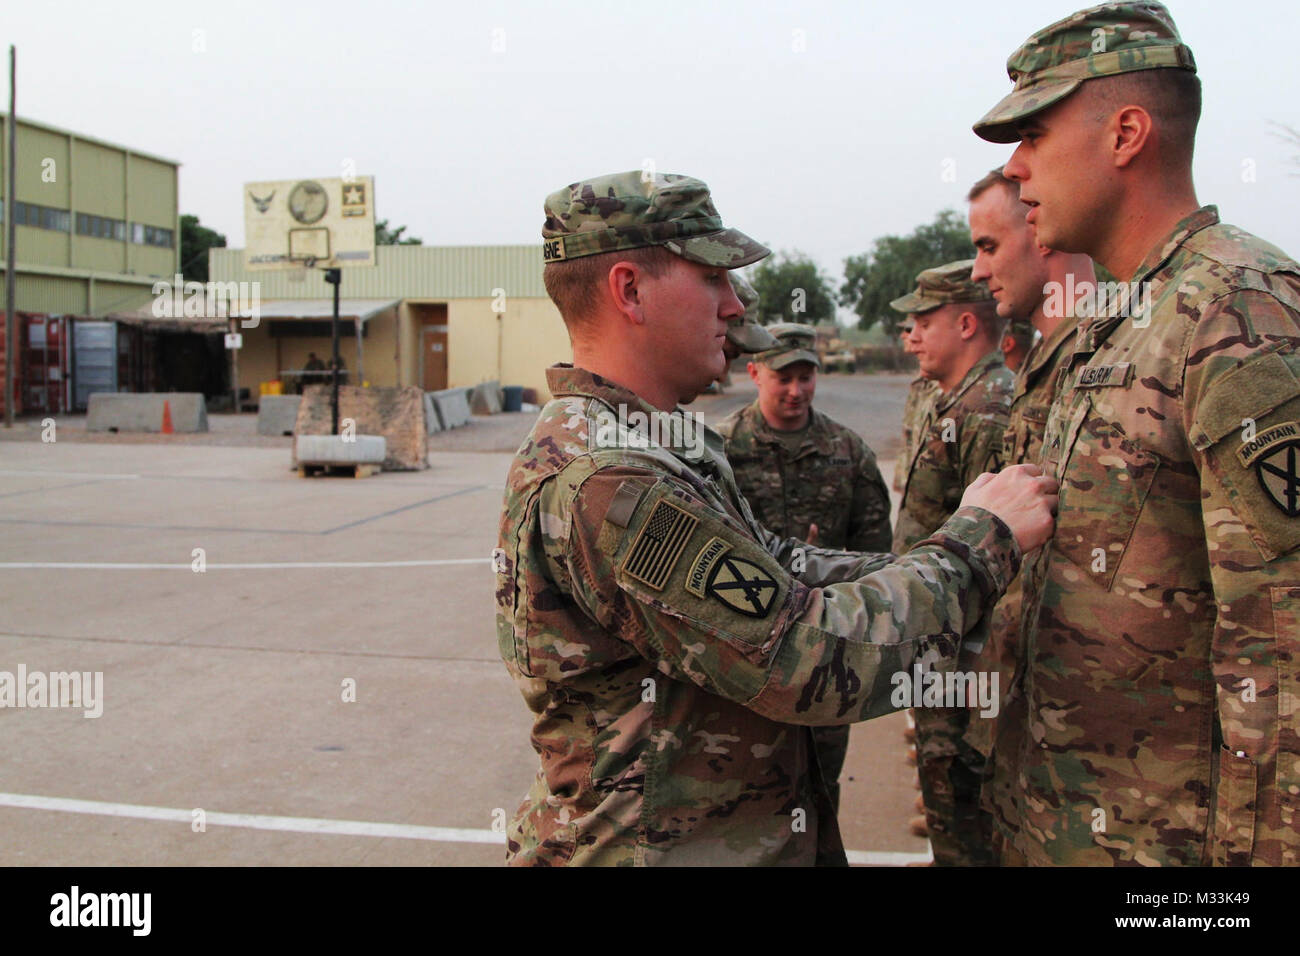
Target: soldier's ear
(752,368)
(623,283)
(967,325)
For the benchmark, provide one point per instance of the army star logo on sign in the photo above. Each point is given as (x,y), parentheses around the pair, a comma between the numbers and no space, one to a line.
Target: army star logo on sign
(743,586)
(1279,476)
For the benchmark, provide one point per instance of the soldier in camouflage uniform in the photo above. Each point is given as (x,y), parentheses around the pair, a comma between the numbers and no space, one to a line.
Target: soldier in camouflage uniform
(1016,343)
(670,657)
(745,335)
(919,393)
(956,336)
(1159,688)
(1019,273)
(798,469)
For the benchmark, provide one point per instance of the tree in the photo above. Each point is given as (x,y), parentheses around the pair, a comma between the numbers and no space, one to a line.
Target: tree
(393,237)
(196,240)
(875,278)
(792,289)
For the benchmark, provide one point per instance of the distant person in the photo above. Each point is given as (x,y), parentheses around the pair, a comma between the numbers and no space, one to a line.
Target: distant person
(806,476)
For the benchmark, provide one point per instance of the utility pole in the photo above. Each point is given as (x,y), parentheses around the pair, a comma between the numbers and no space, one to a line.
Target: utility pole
(11,278)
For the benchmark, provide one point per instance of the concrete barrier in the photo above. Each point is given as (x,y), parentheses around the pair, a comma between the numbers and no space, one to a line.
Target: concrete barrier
(333,450)
(276,414)
(485,399)
(143,411)
(452,407)
(432,423)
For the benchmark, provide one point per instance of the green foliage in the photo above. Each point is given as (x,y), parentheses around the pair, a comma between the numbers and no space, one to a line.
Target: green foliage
(393,237)
(875,278)
(792,289)
(196,240)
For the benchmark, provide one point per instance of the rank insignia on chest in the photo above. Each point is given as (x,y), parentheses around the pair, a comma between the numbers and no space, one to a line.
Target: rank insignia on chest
(742,586)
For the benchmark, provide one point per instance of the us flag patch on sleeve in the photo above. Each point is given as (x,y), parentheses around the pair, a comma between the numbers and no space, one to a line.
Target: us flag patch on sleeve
(660,543)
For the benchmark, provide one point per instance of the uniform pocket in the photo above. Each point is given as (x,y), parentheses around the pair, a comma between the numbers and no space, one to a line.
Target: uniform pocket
(1105,480)
(1234,814)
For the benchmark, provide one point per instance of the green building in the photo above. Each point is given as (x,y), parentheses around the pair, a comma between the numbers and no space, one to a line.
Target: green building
(96,225)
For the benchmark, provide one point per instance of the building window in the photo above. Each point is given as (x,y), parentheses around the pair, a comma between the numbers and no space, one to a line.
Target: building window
(42,217)
(143,235)
(100,227)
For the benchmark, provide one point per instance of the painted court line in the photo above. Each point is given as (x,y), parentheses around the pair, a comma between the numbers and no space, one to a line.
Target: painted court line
(258,566)
(318,825)
(63,474)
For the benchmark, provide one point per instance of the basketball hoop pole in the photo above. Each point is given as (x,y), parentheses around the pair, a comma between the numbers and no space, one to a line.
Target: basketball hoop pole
(333,277)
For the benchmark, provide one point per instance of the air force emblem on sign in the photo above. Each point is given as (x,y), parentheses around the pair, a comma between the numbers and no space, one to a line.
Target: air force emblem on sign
(1279,476)
(742,585)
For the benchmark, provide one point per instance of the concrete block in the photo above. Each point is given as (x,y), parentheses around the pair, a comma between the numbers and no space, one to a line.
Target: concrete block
(452,407)
(276,414)
(395,413)
(432,423)
(143,411)
(334,450)
(485,399)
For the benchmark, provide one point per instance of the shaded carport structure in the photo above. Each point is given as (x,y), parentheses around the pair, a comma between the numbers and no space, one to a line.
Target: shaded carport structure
(318,311)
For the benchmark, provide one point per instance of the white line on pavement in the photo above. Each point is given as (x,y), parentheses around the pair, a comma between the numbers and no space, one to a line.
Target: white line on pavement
(404,831)
(88,566)
(253,821)
(62,474)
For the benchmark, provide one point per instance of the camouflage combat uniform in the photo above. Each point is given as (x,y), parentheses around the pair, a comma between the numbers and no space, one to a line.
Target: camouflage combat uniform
(832,481)
(919,393)
(1160,678)
(671,661)
(669,656)
(1035,390)
(959,438)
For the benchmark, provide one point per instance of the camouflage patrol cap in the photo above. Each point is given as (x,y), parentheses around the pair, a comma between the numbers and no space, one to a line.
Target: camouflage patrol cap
(634,209)
(745,333)
(943,285)
(795,343)
(1101,41)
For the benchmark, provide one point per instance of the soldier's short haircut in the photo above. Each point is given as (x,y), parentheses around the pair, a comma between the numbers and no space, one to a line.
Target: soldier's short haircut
(991,324)
(990,179)
(1172,97)
(574,285)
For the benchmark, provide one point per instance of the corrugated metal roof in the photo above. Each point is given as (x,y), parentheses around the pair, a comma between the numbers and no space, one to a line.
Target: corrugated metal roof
(350,309)
(406,272)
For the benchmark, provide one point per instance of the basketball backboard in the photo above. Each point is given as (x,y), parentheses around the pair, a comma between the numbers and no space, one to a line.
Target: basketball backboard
(314,223)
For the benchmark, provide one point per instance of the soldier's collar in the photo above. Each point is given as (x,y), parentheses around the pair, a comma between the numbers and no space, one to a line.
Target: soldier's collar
(1162,252)
(813,434)
(1042,355)
(988,361)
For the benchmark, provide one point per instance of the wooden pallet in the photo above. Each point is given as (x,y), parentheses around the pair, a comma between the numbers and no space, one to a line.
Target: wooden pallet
(310,470)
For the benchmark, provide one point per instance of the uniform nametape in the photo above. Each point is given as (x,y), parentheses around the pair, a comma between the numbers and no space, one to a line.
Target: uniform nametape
(1100,376)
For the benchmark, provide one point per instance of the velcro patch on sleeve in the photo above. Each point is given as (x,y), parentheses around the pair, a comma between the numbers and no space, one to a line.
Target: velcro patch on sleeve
(659,544)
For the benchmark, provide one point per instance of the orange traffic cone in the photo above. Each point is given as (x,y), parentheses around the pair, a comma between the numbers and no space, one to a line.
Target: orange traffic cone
(167,418)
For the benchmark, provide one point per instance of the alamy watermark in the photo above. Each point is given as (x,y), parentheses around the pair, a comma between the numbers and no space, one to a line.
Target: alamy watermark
(84,689)
(178,299)
(677,430)
(926,688)
(1087,299)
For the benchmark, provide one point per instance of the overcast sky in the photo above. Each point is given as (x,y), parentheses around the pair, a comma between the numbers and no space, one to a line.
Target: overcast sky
(818,126)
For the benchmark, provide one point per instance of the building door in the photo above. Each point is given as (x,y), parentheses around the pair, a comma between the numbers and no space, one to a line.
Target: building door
(433,346)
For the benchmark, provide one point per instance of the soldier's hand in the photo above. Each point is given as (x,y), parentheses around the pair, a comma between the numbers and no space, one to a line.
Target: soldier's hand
(1023,497)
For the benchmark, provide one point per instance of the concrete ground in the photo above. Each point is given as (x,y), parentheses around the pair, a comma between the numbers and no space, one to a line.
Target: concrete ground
(225,690)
